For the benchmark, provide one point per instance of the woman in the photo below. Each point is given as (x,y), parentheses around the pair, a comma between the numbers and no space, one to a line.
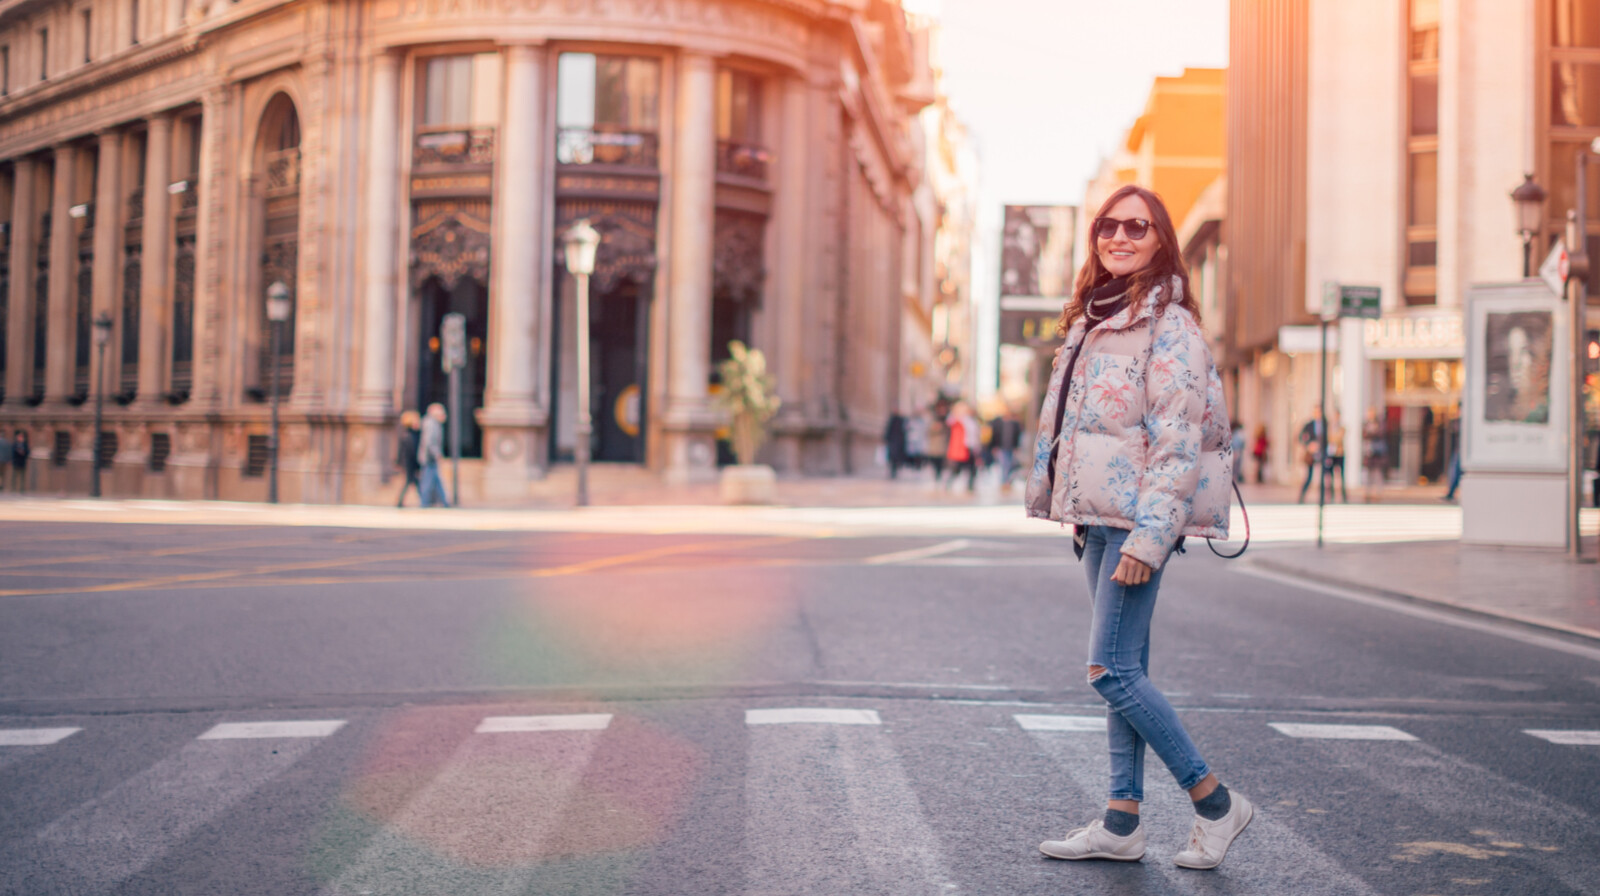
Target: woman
(1258,450)
(406,454)
(961,448)
(19,461)
(1374,454)
(1134,450)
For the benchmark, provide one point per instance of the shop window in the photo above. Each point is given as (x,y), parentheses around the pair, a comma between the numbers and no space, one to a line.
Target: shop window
(106,448)
(1575,94)
(160,449)
(255,460)
(461,91)
(61,448)
(1575,23)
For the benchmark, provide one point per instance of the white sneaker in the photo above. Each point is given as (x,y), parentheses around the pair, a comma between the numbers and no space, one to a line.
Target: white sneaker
(1093,841)
(1209,840)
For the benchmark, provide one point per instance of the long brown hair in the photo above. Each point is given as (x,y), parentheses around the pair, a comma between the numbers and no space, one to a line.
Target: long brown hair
(1164,265)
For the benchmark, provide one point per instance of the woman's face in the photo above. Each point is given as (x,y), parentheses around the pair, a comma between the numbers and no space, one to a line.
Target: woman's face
(1120,255)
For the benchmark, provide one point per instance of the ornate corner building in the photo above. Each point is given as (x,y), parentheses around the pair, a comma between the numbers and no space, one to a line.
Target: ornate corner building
(750,165)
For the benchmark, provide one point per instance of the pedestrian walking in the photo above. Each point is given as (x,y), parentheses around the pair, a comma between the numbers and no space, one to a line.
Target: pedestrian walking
(1453,431)
(938,441)
(19,461)
(917,440)
(1333,463)
(430,450)
(406,454)
(1374,454)
(1310,440)
(1258,450)
(1237,440)
(5,459)
(1134,451)
(962,448)
(1005,435)
(894,443)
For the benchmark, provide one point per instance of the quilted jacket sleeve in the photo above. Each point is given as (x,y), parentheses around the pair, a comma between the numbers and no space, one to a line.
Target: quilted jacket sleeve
(1175,406)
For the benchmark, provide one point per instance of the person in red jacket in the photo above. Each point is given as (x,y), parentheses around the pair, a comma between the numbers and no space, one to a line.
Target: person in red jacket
(964,440)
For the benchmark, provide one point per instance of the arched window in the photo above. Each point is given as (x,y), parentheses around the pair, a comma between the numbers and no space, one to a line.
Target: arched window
(278,179)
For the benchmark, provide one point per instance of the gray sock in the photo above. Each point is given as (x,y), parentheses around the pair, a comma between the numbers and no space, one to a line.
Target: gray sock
(1121,823)
(1215,805)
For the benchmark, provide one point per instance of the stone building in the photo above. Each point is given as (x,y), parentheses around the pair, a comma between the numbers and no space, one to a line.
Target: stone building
(750,165)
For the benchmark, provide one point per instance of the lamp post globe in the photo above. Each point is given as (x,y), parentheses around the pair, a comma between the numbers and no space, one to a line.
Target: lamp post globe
(102,337)
(279,306)
(1528,198)
(582,243)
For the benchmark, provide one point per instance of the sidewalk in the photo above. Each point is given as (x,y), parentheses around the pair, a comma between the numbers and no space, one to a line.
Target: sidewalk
(1375,548)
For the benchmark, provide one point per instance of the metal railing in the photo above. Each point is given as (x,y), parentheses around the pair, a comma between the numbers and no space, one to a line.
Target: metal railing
(625,149)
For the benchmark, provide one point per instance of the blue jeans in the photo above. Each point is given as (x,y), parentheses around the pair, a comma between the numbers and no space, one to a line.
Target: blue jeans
(1119,641)
(432,489)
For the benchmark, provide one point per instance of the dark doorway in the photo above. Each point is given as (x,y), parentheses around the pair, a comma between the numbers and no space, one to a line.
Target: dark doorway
(730,320)
(619,336)
(470,299)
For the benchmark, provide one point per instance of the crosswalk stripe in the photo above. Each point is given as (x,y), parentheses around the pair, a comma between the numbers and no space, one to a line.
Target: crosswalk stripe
(34,737)
(811,716)
(1061,723)
(830,809)
(259,730)
(1567,738)
(106,840)
(1340,732)
(516,724)
(482,824)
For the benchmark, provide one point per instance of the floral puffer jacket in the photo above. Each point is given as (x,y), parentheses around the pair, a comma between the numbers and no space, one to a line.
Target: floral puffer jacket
(1145,444)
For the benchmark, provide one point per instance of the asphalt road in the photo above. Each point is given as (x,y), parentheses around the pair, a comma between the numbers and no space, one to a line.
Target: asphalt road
(546,713)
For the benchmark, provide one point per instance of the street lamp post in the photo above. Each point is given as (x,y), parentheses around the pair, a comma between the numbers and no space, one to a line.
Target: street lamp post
(278,307)
(102,338)
(582,242)
(1529,200)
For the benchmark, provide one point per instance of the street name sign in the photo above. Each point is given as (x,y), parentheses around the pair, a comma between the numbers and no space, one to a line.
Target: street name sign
(1361,301)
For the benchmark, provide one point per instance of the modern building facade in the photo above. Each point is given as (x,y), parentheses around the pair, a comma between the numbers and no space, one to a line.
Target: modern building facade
(750,165)
(1376,143)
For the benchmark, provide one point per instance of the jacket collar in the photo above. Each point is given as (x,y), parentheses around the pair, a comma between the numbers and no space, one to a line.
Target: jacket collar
(1133,313)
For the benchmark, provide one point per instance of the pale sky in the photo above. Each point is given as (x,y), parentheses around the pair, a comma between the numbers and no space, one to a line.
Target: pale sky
(1048,87)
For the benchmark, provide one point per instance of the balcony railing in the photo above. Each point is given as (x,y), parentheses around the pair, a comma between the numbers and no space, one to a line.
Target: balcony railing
(454,146)
(627,149)
(742,159)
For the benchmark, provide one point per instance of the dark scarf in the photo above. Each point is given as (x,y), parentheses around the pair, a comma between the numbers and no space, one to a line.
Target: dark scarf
(1105,300)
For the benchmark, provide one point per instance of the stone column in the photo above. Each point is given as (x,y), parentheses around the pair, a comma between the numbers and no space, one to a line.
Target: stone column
(689,422)
(788,291)
(155,264)
(107,255)
(210,249)
(62,354)
(24,240)
(518,254)
(380,287)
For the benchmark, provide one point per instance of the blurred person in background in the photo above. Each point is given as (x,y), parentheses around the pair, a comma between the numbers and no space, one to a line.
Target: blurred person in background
(409,441)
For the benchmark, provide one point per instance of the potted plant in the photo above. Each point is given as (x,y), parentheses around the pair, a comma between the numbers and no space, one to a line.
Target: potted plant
(750,398)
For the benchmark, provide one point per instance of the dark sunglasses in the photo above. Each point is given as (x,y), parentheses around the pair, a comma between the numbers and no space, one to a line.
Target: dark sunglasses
(1135,228)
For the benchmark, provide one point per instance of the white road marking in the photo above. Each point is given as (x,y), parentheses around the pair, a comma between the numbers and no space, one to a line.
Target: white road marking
(34,737)
(1340,732)
(830,809)
(935,550)
(811,716)
(513,724)
(1061,723)
(249,730)
(1423,611)
(1568,738)
(102,842)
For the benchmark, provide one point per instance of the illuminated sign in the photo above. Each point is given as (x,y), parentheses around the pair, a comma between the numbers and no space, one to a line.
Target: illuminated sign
(1415,336)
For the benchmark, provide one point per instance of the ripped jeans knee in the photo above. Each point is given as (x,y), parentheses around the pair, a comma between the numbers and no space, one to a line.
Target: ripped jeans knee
(1097,672)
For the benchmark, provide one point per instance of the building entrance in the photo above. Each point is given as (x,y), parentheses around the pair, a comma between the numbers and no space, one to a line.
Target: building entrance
(619,330)
(470,299)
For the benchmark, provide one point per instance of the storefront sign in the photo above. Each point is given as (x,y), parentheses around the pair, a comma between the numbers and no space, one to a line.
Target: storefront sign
(1437,335)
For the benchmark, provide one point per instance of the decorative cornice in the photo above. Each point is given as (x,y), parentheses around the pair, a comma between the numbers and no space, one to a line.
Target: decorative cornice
(134,61)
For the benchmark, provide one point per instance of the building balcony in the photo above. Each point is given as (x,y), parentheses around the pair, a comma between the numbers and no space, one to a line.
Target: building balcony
(622,149)
(453,146)
(743,160)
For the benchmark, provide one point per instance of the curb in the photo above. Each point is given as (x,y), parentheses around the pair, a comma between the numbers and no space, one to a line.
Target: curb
(1532,623)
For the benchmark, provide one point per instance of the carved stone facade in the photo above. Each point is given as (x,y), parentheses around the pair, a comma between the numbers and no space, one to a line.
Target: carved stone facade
(392,162)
